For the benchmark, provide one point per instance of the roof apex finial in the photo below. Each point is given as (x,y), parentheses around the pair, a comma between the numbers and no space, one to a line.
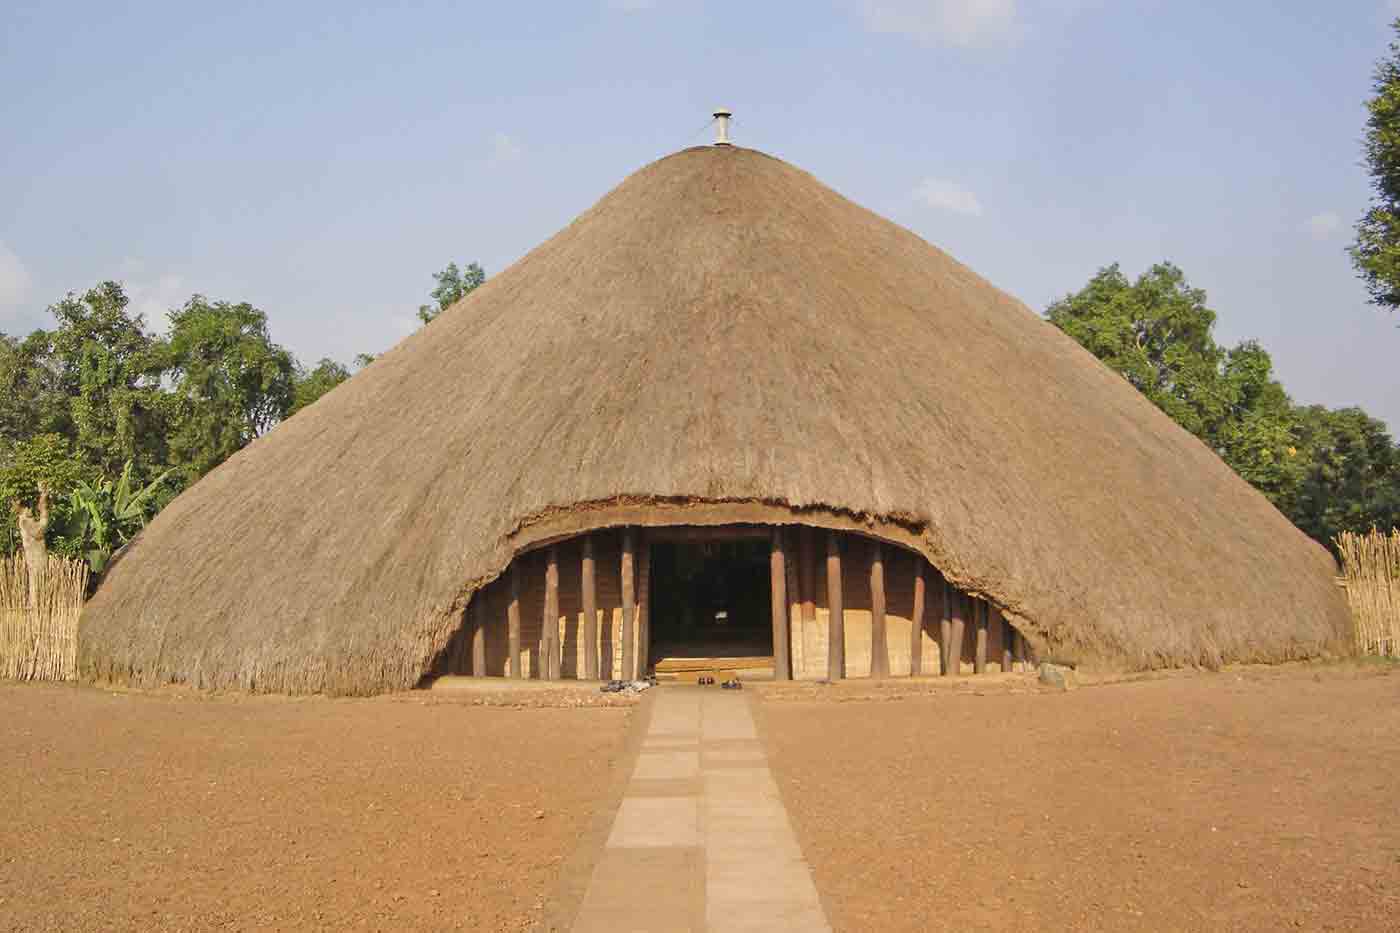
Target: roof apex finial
(722,131)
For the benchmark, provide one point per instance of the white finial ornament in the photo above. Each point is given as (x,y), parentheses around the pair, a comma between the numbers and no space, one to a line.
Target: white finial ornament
(722,129)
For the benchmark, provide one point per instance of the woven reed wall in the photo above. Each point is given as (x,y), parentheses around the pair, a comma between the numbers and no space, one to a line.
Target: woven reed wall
(1371,575)
(39,636)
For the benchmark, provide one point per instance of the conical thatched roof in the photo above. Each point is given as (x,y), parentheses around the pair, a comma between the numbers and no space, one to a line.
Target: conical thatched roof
(720,338)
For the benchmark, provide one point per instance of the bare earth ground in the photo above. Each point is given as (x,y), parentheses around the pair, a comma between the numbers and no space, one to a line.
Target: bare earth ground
(173,811)
(1258,799)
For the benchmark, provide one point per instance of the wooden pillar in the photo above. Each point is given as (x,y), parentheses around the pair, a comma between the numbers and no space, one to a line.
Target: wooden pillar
(782,640)
(957,608)
(1007,635)
(551,614)
(979,657)
(807,574)
(916,621)
(477,608)
(517,669)
(644,609)
(629,605)
(807,590)
(836,624)
(589,599)
(945,627)
(879,638)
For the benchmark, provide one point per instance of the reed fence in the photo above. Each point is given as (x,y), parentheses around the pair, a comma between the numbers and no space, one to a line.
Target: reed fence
(39,631)
(1371,575)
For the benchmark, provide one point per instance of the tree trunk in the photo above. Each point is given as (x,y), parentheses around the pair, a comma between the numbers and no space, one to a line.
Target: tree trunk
(36,550)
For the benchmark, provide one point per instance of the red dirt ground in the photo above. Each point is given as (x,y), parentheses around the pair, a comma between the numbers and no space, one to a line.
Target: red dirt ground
(1260,799)
(171,811)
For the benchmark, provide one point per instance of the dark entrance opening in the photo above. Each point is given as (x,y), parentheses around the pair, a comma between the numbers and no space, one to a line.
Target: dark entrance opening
(711,596)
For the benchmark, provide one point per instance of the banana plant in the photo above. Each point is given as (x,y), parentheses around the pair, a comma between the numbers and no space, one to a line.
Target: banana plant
(104,516)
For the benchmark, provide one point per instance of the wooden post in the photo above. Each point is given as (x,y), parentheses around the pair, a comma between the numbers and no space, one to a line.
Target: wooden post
(478,614)
(879,638)
(644,609)
(517,669)
(549,648)
(957,606)
(836,624)
(590,610)
(777,572)
(916,621)
(807,575)
(979,657)
(945,627)
(1007,656)
(629,605)
(807,590)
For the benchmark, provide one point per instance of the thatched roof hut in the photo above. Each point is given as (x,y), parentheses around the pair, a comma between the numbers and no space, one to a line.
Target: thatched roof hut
(721,339)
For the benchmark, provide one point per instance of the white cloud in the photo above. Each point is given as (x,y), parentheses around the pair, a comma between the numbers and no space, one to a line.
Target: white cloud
(1322,226)
(152,296)
(965,23)
(504,148)
(14,280)
(941,194)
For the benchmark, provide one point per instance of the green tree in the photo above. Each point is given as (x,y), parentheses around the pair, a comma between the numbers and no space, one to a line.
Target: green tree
(1328,471)
(312,384)
(1376,250)
(1351,477)
(1156,332)
(231,382)
(453,285)
(31,399)
(103,516)
(25,465)
(108,368)
(1256,437)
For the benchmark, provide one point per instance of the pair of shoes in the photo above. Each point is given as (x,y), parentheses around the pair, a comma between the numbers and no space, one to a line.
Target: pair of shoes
(731,685)
(705,681)
(612,686)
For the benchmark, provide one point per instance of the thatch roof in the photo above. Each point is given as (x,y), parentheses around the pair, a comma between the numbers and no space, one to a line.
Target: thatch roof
(720,338)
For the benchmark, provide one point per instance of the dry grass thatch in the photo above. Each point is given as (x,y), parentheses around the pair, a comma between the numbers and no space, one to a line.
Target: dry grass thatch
(1371,575)
(39,637)
(720,338)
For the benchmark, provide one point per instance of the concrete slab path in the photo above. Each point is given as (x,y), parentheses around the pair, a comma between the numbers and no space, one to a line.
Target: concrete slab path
(701,840)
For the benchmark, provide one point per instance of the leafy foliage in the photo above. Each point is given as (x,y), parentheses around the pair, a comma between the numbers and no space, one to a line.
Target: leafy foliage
(231,382)
(453,285)
(98,396)
(311,385)
(103,516)
(1328,471)
(1376,251)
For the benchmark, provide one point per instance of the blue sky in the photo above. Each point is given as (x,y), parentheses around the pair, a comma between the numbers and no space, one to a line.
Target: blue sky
(321,161)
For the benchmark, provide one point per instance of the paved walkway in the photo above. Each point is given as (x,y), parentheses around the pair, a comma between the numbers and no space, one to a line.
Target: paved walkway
(701,841)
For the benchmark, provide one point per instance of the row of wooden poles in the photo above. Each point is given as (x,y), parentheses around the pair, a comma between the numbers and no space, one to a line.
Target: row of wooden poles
(957,610)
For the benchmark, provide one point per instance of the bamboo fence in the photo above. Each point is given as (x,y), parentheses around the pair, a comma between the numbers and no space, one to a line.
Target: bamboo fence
(39,636)
(1371,575)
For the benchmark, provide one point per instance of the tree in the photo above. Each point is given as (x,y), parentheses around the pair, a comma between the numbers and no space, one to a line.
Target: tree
(103,516)
(101,360)
(231,383)
(1156,332)
(1351,476)
(1328,471)
(311,385)
(31,470)
(1376,251)
(453,285)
